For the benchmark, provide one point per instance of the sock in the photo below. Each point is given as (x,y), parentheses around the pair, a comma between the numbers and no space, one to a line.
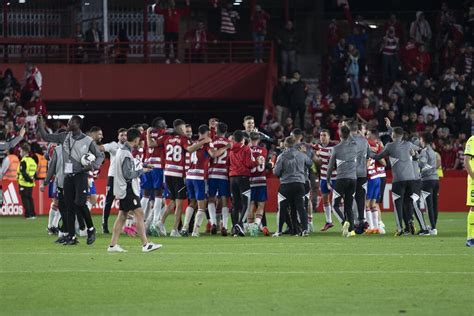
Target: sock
(89,205)
(375,218)
(310,219)
(258,221)
(144,203)
(212,213)
(225,216)
(199,219)
(56,218)
(157,210)
(369,219)
(470,225)
(327,213)
(187,217)
(52,212)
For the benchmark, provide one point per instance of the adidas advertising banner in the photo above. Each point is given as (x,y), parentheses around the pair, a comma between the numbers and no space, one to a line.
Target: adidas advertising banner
(452,197)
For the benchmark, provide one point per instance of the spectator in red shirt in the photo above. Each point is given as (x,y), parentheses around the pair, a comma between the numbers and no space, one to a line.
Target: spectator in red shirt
(448,155)
(172,16)
(334,35)
(365,113)
(420,125)
(408,53)
(259,20)
(420,65)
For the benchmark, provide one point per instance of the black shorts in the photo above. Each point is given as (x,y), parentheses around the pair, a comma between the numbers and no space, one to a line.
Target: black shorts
(176,188)
(131,202)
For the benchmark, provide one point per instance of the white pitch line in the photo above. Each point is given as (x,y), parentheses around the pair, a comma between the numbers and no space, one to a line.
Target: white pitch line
(248,254)
(240,272)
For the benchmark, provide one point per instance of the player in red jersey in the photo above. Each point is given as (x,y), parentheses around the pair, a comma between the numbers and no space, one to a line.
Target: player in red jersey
(219,178)
(258,187)
(154,178)
(323,151)
(196,181)
(176,146)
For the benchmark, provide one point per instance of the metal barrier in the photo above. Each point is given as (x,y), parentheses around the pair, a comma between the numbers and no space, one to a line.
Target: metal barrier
(72,52)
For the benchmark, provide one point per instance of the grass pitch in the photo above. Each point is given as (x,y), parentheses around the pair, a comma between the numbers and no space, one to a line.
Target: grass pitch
(324,274)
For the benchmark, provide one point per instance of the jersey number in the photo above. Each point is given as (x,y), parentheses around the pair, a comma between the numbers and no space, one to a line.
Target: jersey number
(174,153)
(259,168)
(221,160)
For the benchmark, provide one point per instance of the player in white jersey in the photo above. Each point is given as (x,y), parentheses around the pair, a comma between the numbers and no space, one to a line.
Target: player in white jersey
(112,149)
(323,152)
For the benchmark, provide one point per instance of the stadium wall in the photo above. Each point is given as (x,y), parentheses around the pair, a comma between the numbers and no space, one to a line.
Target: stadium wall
(453,188)
(150,82)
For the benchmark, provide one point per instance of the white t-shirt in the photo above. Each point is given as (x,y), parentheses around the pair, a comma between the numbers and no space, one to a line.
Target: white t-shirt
(112,148)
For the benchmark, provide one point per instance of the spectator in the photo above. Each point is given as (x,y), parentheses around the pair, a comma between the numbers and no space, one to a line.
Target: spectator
(288,127)
(33,83)
(365,112)
(420,29)
(448,155)
(408,53)
(421,63)
(228,29)
(333,35)
(420,124)
(448,56)
(94,39)
(172,17)
(353,72)
(19,117)
(9,81)
(397,89)
(288,41)
(78,49)
(259,20)
(346,108)
(280,99)
(358,38)
(122,47)
(198,40)
(338,59)
(464,63)
(429,109)
(396,25)
(297,94)
(389,56)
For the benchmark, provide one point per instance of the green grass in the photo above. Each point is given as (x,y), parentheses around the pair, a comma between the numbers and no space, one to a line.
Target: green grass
(324,274)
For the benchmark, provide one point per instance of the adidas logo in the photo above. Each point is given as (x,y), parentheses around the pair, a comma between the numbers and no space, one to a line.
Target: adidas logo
(11,205)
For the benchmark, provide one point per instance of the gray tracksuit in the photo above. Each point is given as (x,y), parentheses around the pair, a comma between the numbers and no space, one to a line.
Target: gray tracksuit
(74,147)
(399,153)
(55,168)
(427,163)
(126,172)
(362,152)
(344,157)
(291,166)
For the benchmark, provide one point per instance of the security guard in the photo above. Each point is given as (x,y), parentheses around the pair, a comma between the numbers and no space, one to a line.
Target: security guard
(26,180)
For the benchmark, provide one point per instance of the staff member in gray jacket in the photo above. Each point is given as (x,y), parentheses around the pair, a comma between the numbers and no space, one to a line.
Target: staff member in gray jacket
(344,155)
(127,171)
(429,179)
(55,169)
(291,168)
(75,144)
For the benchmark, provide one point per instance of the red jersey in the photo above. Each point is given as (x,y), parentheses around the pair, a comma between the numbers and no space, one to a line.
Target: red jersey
(219,167)
(175,154)
(241,160)
(257,174)
(143,157)
(199,164)
(156,154)
(324,153)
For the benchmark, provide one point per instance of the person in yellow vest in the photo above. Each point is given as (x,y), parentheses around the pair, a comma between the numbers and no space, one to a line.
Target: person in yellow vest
(26,180)
(469,165)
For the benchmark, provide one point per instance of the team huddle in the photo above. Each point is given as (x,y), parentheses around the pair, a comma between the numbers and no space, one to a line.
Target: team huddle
(158,171)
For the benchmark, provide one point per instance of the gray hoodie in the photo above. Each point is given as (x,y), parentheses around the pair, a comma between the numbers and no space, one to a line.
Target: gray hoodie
(292,166)
(344,157)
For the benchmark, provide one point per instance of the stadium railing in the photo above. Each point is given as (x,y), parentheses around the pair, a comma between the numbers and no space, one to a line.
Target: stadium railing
(66,51)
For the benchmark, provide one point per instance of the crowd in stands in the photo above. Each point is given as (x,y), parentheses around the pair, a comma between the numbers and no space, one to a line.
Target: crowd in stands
(419,75)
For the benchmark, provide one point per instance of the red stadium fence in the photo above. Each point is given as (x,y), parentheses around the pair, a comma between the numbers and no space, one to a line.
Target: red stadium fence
(66,51)
(453,188)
